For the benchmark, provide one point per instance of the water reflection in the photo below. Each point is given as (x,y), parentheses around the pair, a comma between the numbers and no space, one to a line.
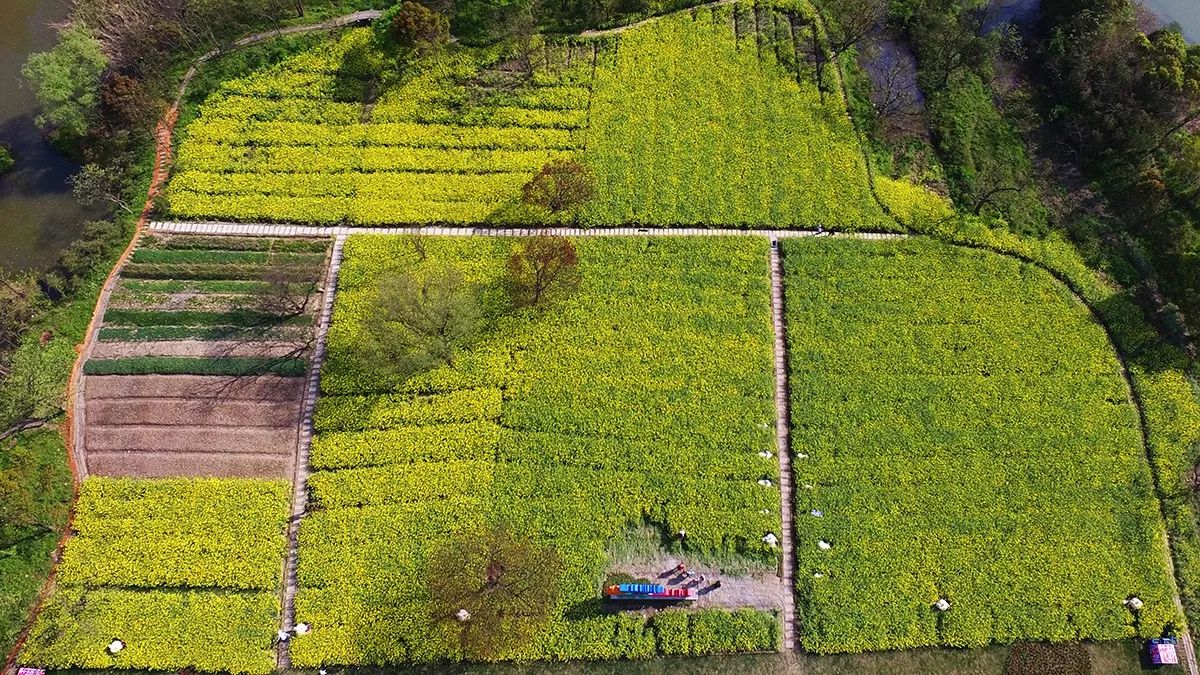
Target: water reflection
(38,215)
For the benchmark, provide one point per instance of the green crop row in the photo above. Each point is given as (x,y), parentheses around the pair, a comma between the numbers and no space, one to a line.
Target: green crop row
(318,210)
(960,423)
(189,256)
(437,187)
(619,636)
(183,365)
(235,243)
(405,134)
(151,333)
(645,397)
(350,413)
(220,542)
(465,441)
(332,160)
(237,317)
(216,272)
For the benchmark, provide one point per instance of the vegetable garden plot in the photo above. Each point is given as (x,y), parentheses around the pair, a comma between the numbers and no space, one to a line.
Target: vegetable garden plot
(645,396)
(965,435)
(185,572)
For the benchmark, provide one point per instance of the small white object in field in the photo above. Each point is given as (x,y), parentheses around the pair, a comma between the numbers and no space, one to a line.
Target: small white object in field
(1135,603)
(817,514)
(462,615)
(807,486)
(765,454)
(115,647)
(303,629)
(942,604)
(824,545)
(765,512)
(283,635)
(817,575)
(765,482)
(770,539)
(801,455)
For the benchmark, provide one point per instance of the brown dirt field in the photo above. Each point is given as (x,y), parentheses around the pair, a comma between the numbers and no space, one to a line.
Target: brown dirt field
(191,439)
(764,591)
(266,388)
(168,464)
(108,412)
(196,348)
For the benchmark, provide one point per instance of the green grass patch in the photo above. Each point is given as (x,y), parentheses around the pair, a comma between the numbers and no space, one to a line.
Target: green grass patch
(967,435)
(601,426)
(36,459)
(182,365)
(137,538)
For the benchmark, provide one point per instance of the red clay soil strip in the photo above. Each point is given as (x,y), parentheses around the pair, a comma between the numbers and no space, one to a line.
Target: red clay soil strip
(162,159)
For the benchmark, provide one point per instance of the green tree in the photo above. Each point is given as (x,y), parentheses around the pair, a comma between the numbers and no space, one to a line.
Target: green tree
(416,28)
(544,268)
(21,301)
(494,589)
(562,184)
(421,321)
(66,80)
(6,160)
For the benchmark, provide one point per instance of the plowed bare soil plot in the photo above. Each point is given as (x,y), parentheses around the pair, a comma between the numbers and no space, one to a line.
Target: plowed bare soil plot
(199,367)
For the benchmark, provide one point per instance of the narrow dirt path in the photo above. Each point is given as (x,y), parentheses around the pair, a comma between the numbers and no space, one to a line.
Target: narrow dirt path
(300,480)
(783,448)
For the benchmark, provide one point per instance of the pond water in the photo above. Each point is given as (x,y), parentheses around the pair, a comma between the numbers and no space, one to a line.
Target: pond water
(38,215)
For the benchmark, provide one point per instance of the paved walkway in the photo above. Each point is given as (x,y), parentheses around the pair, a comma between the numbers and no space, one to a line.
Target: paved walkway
(783,449)
(300,481)
(276,230)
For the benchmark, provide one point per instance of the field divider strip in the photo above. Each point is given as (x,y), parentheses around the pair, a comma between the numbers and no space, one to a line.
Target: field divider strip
(292,230)
(303,446)
(783,449)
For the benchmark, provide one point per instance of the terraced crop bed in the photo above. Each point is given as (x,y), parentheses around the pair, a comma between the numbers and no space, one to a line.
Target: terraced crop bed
(644,398)
(713,117)
(961,430)
(200,360)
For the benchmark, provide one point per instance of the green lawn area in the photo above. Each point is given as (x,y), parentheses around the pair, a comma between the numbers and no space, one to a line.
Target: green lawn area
(643,398)
(967,436)
(25,549)
(185,571)
(690,120)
